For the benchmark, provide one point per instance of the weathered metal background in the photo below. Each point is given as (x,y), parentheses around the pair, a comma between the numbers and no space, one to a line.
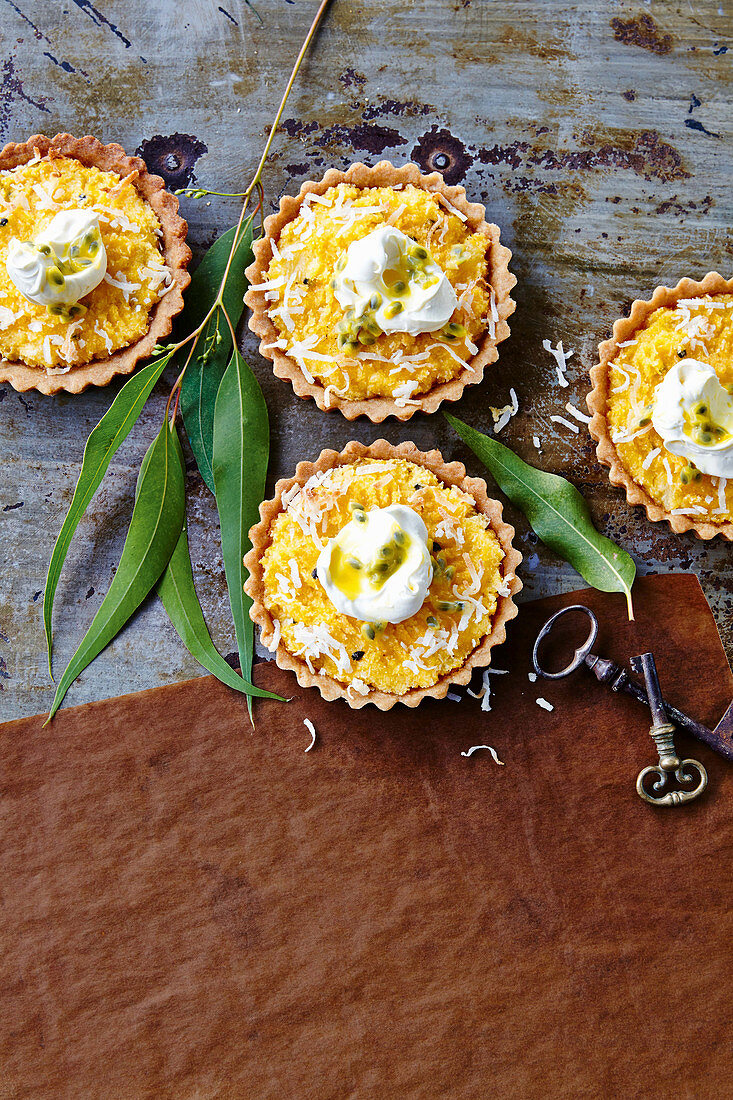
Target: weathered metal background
(598,135)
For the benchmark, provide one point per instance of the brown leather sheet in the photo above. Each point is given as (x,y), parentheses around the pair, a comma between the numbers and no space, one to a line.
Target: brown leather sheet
(190,910)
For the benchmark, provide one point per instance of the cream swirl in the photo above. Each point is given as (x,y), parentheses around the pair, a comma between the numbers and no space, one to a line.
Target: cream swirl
(396,281)
(65,262)
(378,567)
(693,413)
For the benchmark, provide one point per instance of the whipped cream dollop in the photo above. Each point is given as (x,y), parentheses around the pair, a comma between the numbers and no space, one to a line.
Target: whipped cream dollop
(378,567)
(395,281)
(693,413)
(65,262)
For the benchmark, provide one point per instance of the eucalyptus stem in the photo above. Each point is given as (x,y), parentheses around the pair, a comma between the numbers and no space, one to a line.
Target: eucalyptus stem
(298,61)
(246,195)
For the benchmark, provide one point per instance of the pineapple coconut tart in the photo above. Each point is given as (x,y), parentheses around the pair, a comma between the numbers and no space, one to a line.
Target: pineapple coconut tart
(380,291)
(378,574)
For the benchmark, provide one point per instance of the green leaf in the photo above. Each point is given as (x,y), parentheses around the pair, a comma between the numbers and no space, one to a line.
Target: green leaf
(177,591)
(156,523)
(103,442)
(204,373)
(557,513)
(241,452)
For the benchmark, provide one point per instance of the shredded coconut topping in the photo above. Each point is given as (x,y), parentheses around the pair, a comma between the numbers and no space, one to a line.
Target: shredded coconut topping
(722,506)
(315,641)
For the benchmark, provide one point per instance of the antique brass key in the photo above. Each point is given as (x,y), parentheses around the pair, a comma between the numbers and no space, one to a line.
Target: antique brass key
(662,732)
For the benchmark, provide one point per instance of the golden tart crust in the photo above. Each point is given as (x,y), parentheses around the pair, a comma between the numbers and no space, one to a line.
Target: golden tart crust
(175,254)
(377,408)
(449,475)
(624,330)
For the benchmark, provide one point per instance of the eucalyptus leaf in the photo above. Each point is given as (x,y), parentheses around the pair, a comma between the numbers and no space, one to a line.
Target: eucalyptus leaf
(241,452)
(156,523)
(104,440)
(213,347)
(557,513)
(177,591)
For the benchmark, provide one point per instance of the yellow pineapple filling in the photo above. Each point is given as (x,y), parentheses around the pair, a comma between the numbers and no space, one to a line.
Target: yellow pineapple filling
(460,604)
(701,329)
(353,357)
(115,314)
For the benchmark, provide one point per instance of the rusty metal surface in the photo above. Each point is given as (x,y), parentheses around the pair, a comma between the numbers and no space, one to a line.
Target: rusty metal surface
(597,134)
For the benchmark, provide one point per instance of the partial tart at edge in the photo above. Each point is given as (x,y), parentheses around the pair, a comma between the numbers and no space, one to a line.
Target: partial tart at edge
(624,330)
(90,152)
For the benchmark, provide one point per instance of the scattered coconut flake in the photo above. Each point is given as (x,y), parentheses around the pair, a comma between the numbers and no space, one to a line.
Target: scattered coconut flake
(626,344)
(565,423)
(536,441)
(693,510)
(503,415)
(485,693)
(561,358)
(475,748)
(581,416)
(312,731)
(544,704)
(453,697)
(532,677)
(667,467)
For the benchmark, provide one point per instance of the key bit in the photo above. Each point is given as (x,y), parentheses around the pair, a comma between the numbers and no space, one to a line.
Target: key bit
(662,733)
